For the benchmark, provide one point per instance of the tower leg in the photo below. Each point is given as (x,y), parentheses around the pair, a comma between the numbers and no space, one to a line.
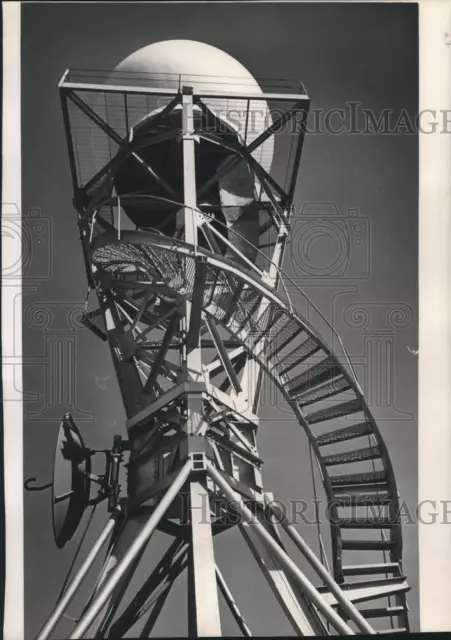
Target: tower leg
(203,607)
(77,580)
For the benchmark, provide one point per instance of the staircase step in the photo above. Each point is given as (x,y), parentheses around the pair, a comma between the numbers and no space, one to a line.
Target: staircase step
(225,302)
(367,545)
(245,308)
(367,590)
(363,500)
(302,352)
(366,523)
(230,297)
(250,298)
(289,332)
(369,453)
(347,433)
(371,477)
(253,302)
(326,370)
(338,385)
(270,317)
(370,569)
(383,612)
(335,411)
(358,489)
(159,261)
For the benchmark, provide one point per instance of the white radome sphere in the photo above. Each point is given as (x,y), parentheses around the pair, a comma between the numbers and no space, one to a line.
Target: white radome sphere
(208,69)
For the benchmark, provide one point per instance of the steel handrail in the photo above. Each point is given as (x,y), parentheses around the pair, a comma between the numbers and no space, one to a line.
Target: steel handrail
(283,275)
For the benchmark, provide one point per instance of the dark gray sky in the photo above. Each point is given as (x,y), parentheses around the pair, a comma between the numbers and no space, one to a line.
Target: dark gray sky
(365,53)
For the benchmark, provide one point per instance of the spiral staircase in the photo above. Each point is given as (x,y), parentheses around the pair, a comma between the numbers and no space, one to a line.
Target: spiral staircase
(320,387)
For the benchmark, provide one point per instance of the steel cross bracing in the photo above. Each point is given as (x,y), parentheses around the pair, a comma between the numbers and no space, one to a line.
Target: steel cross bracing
(191,333)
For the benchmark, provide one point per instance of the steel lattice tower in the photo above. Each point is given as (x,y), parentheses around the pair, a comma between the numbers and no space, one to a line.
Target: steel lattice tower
(194,305)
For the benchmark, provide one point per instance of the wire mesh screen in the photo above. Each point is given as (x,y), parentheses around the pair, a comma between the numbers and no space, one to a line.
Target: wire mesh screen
(105,115)
(101,121)
(93,148)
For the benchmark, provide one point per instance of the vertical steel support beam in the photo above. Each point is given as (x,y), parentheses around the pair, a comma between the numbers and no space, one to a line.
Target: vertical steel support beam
(189,168)
(203,606)
(193,355)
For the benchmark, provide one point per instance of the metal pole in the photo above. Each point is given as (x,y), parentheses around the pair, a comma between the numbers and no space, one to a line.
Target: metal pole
(241,622)
(306,586)
(203,602)
(128,559)
(77,580)
(189,170)
(343,601)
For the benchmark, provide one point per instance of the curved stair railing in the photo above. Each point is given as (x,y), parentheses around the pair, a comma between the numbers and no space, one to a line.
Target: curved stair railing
(286,281)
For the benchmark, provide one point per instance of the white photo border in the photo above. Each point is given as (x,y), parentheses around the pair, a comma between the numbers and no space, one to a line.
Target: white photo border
(434,441)
(11,290)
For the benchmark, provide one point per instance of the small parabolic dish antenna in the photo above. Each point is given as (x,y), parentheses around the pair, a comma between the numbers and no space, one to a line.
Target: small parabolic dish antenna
(71,481)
